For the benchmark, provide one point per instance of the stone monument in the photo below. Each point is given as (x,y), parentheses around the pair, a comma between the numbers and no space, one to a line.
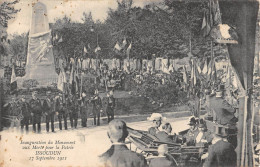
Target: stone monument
(40,61)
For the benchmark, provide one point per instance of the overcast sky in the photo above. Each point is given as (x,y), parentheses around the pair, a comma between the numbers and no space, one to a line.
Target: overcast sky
(57,9)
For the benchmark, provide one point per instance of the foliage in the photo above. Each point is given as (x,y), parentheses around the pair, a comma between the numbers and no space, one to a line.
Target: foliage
(30,83)
(7,11)
(19,45)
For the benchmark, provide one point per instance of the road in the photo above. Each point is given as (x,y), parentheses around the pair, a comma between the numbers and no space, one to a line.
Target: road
(82,148)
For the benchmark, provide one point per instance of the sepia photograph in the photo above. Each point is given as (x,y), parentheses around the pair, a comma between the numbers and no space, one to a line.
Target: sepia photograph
(129,83)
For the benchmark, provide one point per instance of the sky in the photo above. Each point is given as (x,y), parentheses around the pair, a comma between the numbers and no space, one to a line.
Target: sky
(57,9)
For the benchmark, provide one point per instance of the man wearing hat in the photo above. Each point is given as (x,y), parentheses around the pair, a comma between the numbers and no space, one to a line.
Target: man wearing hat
(36,111)
(119,155)
(97,107)
(110,106)
(163,160)
(13,111)
(26,114)
(223,113)
(60,108)
(192,133)
(48,106)
(157,121)
(221,153)
(204,137)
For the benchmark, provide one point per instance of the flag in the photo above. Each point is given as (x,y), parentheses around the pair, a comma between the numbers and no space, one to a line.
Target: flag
(205,68)
(85,50)
(76,80)
(193,72)
(198,67)
(185,76)
(13,84)
(128,50)
(117,47)
(124,43)
(62,79)
(97,49)
(204,24)
(60,40)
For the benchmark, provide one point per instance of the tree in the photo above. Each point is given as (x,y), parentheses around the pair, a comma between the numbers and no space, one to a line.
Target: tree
(18,46)
(7,12)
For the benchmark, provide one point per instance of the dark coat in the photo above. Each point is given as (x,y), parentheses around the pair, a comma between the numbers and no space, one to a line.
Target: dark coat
(164,137)
(222,154)
(48,106)
(36,109)
(25,109)
(222,111)
(111,103)
(153,131)
(162,162)
(121,156)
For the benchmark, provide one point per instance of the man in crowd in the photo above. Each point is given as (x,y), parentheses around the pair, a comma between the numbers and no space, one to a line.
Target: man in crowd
(97,106)
(221,153)
(192,133)
(72,107)
(36,111)
(110,106)
(48,106)
(119,155)
(60,108)
(84,109)
(26,114)
(13,112)
(162,160)
(223,113)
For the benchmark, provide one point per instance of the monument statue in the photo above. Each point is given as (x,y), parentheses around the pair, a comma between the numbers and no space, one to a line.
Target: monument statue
(40,61)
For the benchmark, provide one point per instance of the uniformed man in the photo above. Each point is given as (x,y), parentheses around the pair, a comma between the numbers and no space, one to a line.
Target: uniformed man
(48,106)
(73,107)
(203,137)
(60,108)
(223,113)
(221,153)
(13,112)
(26,114)
(192,133)
(84,103)
(163,159)
(97,107)
(119,155)
(110,106)
(36,111)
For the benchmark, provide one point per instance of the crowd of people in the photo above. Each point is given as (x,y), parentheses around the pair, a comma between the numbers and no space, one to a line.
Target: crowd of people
(21,112)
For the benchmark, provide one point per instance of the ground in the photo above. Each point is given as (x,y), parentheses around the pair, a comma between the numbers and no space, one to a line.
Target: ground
(89,143)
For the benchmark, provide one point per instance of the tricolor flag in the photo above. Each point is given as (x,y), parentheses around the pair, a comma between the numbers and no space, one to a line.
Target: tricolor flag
(13,85)
(85,50)
(97,49)
(185,76)
(117,47)
(128,51)
(60,40)
(62,79)
(124,43)
(205,68)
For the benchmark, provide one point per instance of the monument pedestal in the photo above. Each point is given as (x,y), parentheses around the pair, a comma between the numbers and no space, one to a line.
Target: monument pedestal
(40,61)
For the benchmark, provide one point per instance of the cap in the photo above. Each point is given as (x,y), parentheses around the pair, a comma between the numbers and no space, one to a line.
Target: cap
(192,121)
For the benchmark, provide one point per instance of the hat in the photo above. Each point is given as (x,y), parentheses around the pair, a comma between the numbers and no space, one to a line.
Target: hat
(156,116)
(221,131)
(192,121)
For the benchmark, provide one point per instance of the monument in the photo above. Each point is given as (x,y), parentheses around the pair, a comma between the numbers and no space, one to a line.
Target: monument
(40,61)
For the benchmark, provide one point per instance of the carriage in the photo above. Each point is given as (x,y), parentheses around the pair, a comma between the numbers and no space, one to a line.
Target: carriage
(147,145)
